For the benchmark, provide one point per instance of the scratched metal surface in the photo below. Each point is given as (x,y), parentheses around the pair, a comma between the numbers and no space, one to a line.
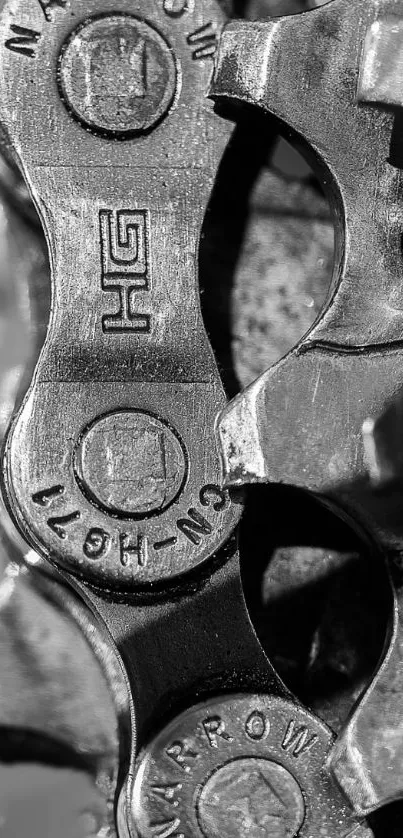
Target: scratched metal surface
(287,232)
(270,291)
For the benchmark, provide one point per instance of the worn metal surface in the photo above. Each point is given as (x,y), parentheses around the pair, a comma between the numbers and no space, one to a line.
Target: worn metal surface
(363,310)
(186,648)
(117,75)
(273,194)
(301,422)
(125,333)
(240,766)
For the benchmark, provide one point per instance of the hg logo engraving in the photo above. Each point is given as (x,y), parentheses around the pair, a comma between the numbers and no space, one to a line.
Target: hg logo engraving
(124,237)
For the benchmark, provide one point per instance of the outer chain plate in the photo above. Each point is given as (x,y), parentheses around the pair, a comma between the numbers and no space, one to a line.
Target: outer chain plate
(243,766)
(111,464)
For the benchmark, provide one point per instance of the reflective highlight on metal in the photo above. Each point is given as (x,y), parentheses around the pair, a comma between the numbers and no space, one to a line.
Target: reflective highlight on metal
(380,78)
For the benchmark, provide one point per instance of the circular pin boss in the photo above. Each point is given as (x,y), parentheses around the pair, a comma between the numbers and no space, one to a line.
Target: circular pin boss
(130,464)
(117,75)
(242,766)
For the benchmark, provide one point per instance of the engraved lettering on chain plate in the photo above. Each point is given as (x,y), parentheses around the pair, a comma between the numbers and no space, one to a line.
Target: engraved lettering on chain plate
(111,465)
(125,260)
(228,768)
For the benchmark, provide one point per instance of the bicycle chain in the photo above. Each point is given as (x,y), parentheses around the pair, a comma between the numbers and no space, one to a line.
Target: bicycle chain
(308,421)
(124,476)
(111,469)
